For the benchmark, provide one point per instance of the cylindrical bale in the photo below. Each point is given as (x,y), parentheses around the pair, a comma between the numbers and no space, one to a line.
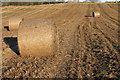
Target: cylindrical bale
(96,14)
(14,22)
(37,38)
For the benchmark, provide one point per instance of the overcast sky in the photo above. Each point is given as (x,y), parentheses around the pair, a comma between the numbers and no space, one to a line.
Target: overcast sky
(47,0)
(100,0)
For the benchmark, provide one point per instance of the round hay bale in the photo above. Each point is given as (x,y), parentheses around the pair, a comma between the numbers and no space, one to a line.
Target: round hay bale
(37,38)
(96,14)
(14,22)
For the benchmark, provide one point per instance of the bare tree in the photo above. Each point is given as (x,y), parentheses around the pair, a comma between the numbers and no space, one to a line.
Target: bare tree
(92,0)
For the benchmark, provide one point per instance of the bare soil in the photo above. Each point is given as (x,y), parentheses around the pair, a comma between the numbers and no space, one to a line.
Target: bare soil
(87,47)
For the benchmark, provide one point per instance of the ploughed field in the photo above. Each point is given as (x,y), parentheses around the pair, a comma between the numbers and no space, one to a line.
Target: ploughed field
(87,47)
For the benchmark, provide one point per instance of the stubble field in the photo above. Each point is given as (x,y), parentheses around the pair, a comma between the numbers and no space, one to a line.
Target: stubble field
(87,47)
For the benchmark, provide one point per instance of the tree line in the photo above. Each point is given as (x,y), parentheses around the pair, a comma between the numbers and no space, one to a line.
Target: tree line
(26,3)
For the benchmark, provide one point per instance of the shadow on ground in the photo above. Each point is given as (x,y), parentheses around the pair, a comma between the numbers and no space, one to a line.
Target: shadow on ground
(12,42)
(7,28)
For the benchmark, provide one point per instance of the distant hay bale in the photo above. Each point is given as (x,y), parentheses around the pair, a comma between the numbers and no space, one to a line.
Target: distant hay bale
(96,14)
(14,22)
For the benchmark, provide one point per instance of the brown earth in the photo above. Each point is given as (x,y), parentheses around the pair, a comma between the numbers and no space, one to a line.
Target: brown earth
(88,47)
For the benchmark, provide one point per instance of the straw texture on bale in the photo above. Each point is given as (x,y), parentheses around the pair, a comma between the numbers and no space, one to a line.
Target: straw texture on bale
(96,14)
(14,22)
(37,38)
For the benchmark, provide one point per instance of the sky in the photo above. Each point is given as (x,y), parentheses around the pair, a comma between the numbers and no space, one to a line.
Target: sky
(51,0)
(100,0)
(109,0)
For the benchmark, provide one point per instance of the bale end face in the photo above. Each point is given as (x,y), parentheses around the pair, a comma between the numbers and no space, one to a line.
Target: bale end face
(37,38)
(14,22)
(96,14)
